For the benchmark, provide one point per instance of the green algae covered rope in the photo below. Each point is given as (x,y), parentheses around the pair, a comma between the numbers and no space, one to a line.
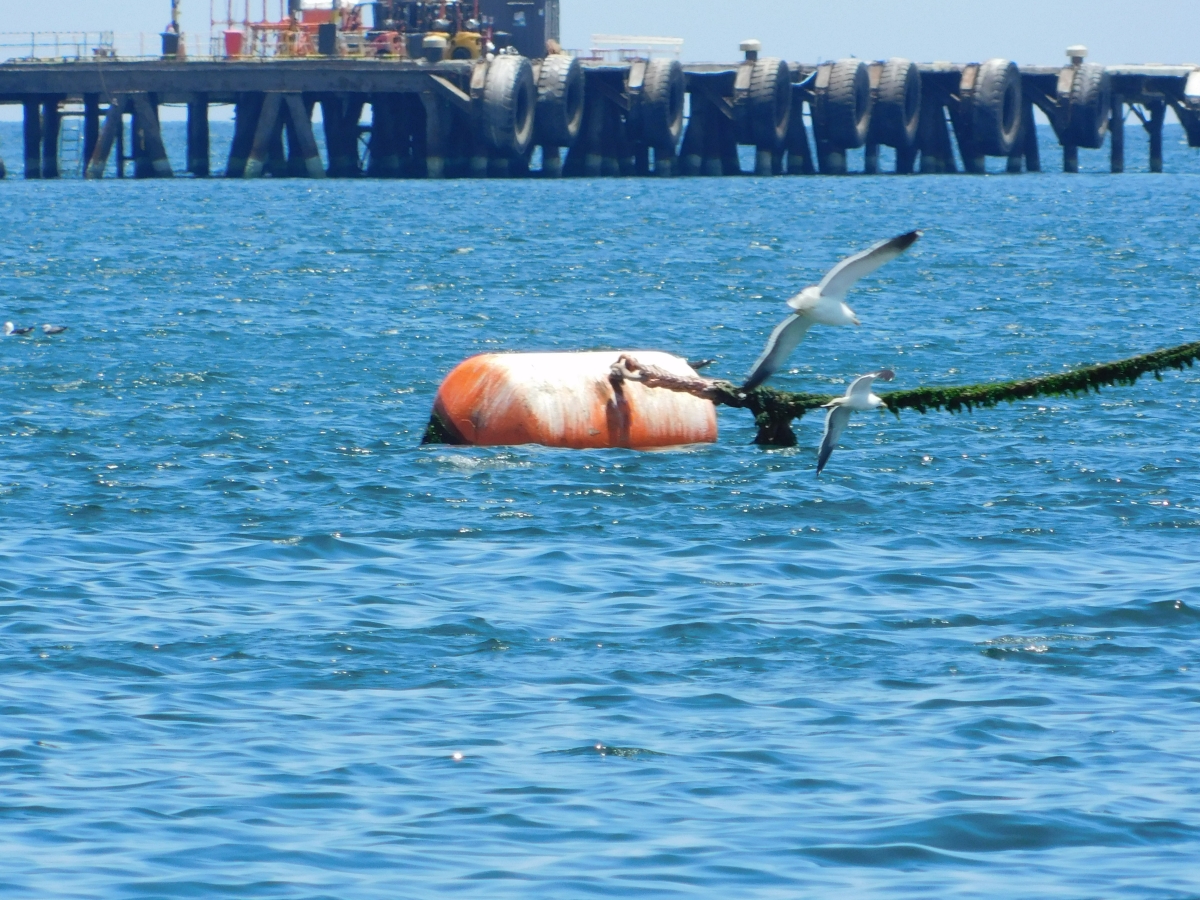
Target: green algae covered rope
(774,410)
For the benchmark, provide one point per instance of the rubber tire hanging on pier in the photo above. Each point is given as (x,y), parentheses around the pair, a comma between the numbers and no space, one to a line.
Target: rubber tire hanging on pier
(996,107)
(845,105)
(769,103)
(896,112)
(560,90)
(662,98)
(509,104)
(1090,106)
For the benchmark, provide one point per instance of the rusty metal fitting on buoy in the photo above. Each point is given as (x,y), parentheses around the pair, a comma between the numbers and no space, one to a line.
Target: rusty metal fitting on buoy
(627,368)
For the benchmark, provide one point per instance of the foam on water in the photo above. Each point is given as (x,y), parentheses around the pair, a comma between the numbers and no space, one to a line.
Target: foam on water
(246,621)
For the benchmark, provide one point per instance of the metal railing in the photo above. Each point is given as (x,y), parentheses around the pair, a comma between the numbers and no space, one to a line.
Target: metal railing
(260,40)
(75,46)
(264,40)
(616,48)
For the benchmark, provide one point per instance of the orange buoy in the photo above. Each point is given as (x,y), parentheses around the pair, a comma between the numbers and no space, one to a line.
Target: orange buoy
(567,400)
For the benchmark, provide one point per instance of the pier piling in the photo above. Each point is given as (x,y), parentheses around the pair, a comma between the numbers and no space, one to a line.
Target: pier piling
(871,159)
(1070,158)
(110,133)
(245,122)
(91,125)
(1116,129)
(340,115)
(268,127)
(300,125)
(937,152)
(1025,148)
(198,153)
(799,153)
(691,153)
(121,158)
(150,154)
(437,132)
(33,139)
(51,124)
(1154,126)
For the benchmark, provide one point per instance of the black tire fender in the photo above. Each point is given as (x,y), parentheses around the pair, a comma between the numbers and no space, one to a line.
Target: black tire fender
(1089,106)
(996,107)
(896,112)
(560,92)
(769,102)
(846,104)
(509,103)
(662,98)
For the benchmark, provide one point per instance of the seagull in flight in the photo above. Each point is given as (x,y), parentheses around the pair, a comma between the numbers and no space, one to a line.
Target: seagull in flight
(857,397)
(823,304)
(10,330)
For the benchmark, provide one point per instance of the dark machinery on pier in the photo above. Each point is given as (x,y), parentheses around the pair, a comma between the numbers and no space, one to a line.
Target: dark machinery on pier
(462,29)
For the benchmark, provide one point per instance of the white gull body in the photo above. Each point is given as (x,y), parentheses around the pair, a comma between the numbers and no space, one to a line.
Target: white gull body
(857,398)
(823,304)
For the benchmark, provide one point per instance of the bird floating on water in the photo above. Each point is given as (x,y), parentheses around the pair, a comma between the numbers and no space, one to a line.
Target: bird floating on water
(11,330)
(53,329)
(858,397)
(823,304)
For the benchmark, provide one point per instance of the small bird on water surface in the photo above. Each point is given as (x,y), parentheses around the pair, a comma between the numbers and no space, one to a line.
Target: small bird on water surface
(10,330)
(858,397)
(824,304)
(53,329)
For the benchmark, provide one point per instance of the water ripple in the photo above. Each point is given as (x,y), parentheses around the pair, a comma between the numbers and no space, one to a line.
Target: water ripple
(255,641)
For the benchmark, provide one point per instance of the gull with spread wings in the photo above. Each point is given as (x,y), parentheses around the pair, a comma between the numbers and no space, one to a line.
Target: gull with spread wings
(857,398)
(824,304)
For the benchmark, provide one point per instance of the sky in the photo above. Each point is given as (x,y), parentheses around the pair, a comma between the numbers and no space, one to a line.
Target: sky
(1028,31)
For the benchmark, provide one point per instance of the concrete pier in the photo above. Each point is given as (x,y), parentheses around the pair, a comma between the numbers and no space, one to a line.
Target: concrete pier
(592,118)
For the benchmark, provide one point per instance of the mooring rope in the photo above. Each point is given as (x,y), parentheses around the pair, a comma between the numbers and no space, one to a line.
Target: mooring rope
(774,410)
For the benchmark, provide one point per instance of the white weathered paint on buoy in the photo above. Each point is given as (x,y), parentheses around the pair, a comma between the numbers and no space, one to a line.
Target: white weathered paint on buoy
(569,400)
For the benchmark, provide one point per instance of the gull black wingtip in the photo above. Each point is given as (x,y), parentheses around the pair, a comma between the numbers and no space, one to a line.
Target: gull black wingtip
(754,381)
(907,239)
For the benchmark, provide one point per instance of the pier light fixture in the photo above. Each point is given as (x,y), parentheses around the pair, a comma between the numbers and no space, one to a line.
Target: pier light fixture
(750,48)
(1077,52)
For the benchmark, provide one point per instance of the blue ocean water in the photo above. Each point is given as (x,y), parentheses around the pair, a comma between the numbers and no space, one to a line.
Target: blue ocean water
(247,621)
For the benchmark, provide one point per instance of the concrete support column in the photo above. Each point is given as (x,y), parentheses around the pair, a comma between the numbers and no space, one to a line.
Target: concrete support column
(937,153)
(1116,128)
(51,125)
(198,152)
(871,159)
(1154,125)
(800,160)
(33,139)
(436,126)
(91,125)
(1070,159)
(691,155)
(150,154)
(245,121)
